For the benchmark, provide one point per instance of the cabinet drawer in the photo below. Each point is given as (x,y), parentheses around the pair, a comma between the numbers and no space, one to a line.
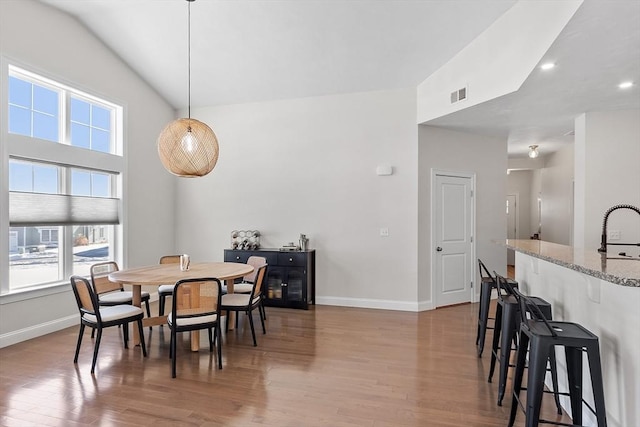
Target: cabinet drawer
(292,258)
(241,256)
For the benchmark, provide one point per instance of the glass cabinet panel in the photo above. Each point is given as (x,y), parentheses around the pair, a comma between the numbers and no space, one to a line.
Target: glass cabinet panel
(295,284)
(275,279)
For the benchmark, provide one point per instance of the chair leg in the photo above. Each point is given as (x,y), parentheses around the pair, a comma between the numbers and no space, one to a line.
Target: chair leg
(497,331)
(574,376)
(219,335)
(142,344)
(264,312)
(226,326)
(125,334)
(517,378)
(253,331)
(75,359)
(554,378)
(538,357)
(210,331)
(509,322)
(95,350)
(595,368)
(148,311)
(264,330)
(173,353)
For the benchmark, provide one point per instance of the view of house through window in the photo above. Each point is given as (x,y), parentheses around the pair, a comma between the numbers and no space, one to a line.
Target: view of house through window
(49,243)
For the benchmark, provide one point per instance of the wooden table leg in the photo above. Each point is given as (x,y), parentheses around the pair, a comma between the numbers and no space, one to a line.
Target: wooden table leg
(232,315)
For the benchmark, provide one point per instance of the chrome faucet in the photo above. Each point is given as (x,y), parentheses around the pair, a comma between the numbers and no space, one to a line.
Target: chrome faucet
(603,240)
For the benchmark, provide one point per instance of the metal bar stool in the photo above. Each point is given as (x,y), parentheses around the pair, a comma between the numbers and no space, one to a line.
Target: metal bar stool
(506,331)
(487,284)
(541,336)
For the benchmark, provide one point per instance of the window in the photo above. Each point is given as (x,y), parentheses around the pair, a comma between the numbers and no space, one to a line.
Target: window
(63,207)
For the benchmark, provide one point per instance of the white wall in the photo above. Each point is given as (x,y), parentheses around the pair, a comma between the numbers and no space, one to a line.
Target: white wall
(46,41)
(607,148)
(487,158)
(309,166)
(557,196)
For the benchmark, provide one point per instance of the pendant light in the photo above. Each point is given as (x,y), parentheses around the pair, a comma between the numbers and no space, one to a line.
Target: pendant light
(188,147)
(533,151)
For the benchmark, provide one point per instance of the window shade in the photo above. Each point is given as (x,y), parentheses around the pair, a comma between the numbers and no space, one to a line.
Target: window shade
(36,209)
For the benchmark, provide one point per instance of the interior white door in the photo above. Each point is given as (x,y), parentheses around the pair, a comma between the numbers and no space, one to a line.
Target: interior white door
(512,225)
(453,238)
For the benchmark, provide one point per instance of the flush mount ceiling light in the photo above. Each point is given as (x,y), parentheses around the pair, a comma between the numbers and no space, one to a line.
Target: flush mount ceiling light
(625,85)
(547,66)
(187,147)
(533,151)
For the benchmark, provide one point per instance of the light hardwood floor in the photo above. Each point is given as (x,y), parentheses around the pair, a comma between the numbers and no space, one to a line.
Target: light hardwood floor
(329,366)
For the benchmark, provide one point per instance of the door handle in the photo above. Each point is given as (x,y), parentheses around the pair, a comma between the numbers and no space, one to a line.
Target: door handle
(439,249)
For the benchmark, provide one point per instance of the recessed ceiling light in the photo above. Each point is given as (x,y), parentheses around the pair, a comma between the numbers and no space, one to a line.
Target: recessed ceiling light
(547,66)
(625,85)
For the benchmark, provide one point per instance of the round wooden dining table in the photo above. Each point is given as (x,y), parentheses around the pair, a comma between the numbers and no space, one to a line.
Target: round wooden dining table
(161,274)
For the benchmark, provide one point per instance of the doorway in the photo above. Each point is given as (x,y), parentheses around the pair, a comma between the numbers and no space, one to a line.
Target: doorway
(452,213)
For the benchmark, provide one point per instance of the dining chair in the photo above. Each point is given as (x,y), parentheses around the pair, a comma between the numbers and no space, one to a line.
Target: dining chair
(165,291)
(111,293)
(247,303)
(98,318)
(246,284)
(196,305)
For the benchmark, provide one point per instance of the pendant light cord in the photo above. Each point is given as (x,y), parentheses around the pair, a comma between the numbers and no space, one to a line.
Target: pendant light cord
(189,54)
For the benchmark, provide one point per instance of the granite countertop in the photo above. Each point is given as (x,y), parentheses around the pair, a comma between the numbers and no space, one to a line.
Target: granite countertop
(621,271)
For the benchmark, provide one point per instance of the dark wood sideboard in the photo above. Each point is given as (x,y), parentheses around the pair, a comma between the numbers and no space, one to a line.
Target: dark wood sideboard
(291,275)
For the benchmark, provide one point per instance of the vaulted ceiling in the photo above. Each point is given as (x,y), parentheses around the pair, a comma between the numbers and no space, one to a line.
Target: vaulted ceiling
(251,51)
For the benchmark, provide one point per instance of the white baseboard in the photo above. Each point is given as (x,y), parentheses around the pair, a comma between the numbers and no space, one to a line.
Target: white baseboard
(35,331)
(374,303)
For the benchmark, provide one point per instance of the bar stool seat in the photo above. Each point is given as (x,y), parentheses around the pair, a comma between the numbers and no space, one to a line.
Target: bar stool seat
(541,336)
(505,332)
(487,284)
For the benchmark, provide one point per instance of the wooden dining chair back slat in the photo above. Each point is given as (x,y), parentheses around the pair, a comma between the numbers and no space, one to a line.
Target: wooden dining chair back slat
(196,305)
(165,291)
(170,259)
(256,262)
(113,293)
(100,277)
(259,283)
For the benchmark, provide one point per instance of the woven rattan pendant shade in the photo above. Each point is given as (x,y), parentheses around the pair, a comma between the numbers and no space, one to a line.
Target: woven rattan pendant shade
(188,148)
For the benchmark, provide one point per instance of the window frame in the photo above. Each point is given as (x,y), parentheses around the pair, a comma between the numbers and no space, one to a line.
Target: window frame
(61,154)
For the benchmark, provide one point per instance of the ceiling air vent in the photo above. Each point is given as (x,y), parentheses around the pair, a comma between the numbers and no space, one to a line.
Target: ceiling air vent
(458,95)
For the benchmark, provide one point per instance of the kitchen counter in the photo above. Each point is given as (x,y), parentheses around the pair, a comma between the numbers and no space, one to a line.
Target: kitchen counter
(612,268)
(602,295)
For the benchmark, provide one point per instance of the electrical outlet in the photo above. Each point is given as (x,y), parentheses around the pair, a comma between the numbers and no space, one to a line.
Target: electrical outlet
(384,232)
(614,235)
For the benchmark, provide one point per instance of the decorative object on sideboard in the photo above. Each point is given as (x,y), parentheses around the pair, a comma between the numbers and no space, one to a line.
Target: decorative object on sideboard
(304,242)
(290,247)
(245,239)
(187,147)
